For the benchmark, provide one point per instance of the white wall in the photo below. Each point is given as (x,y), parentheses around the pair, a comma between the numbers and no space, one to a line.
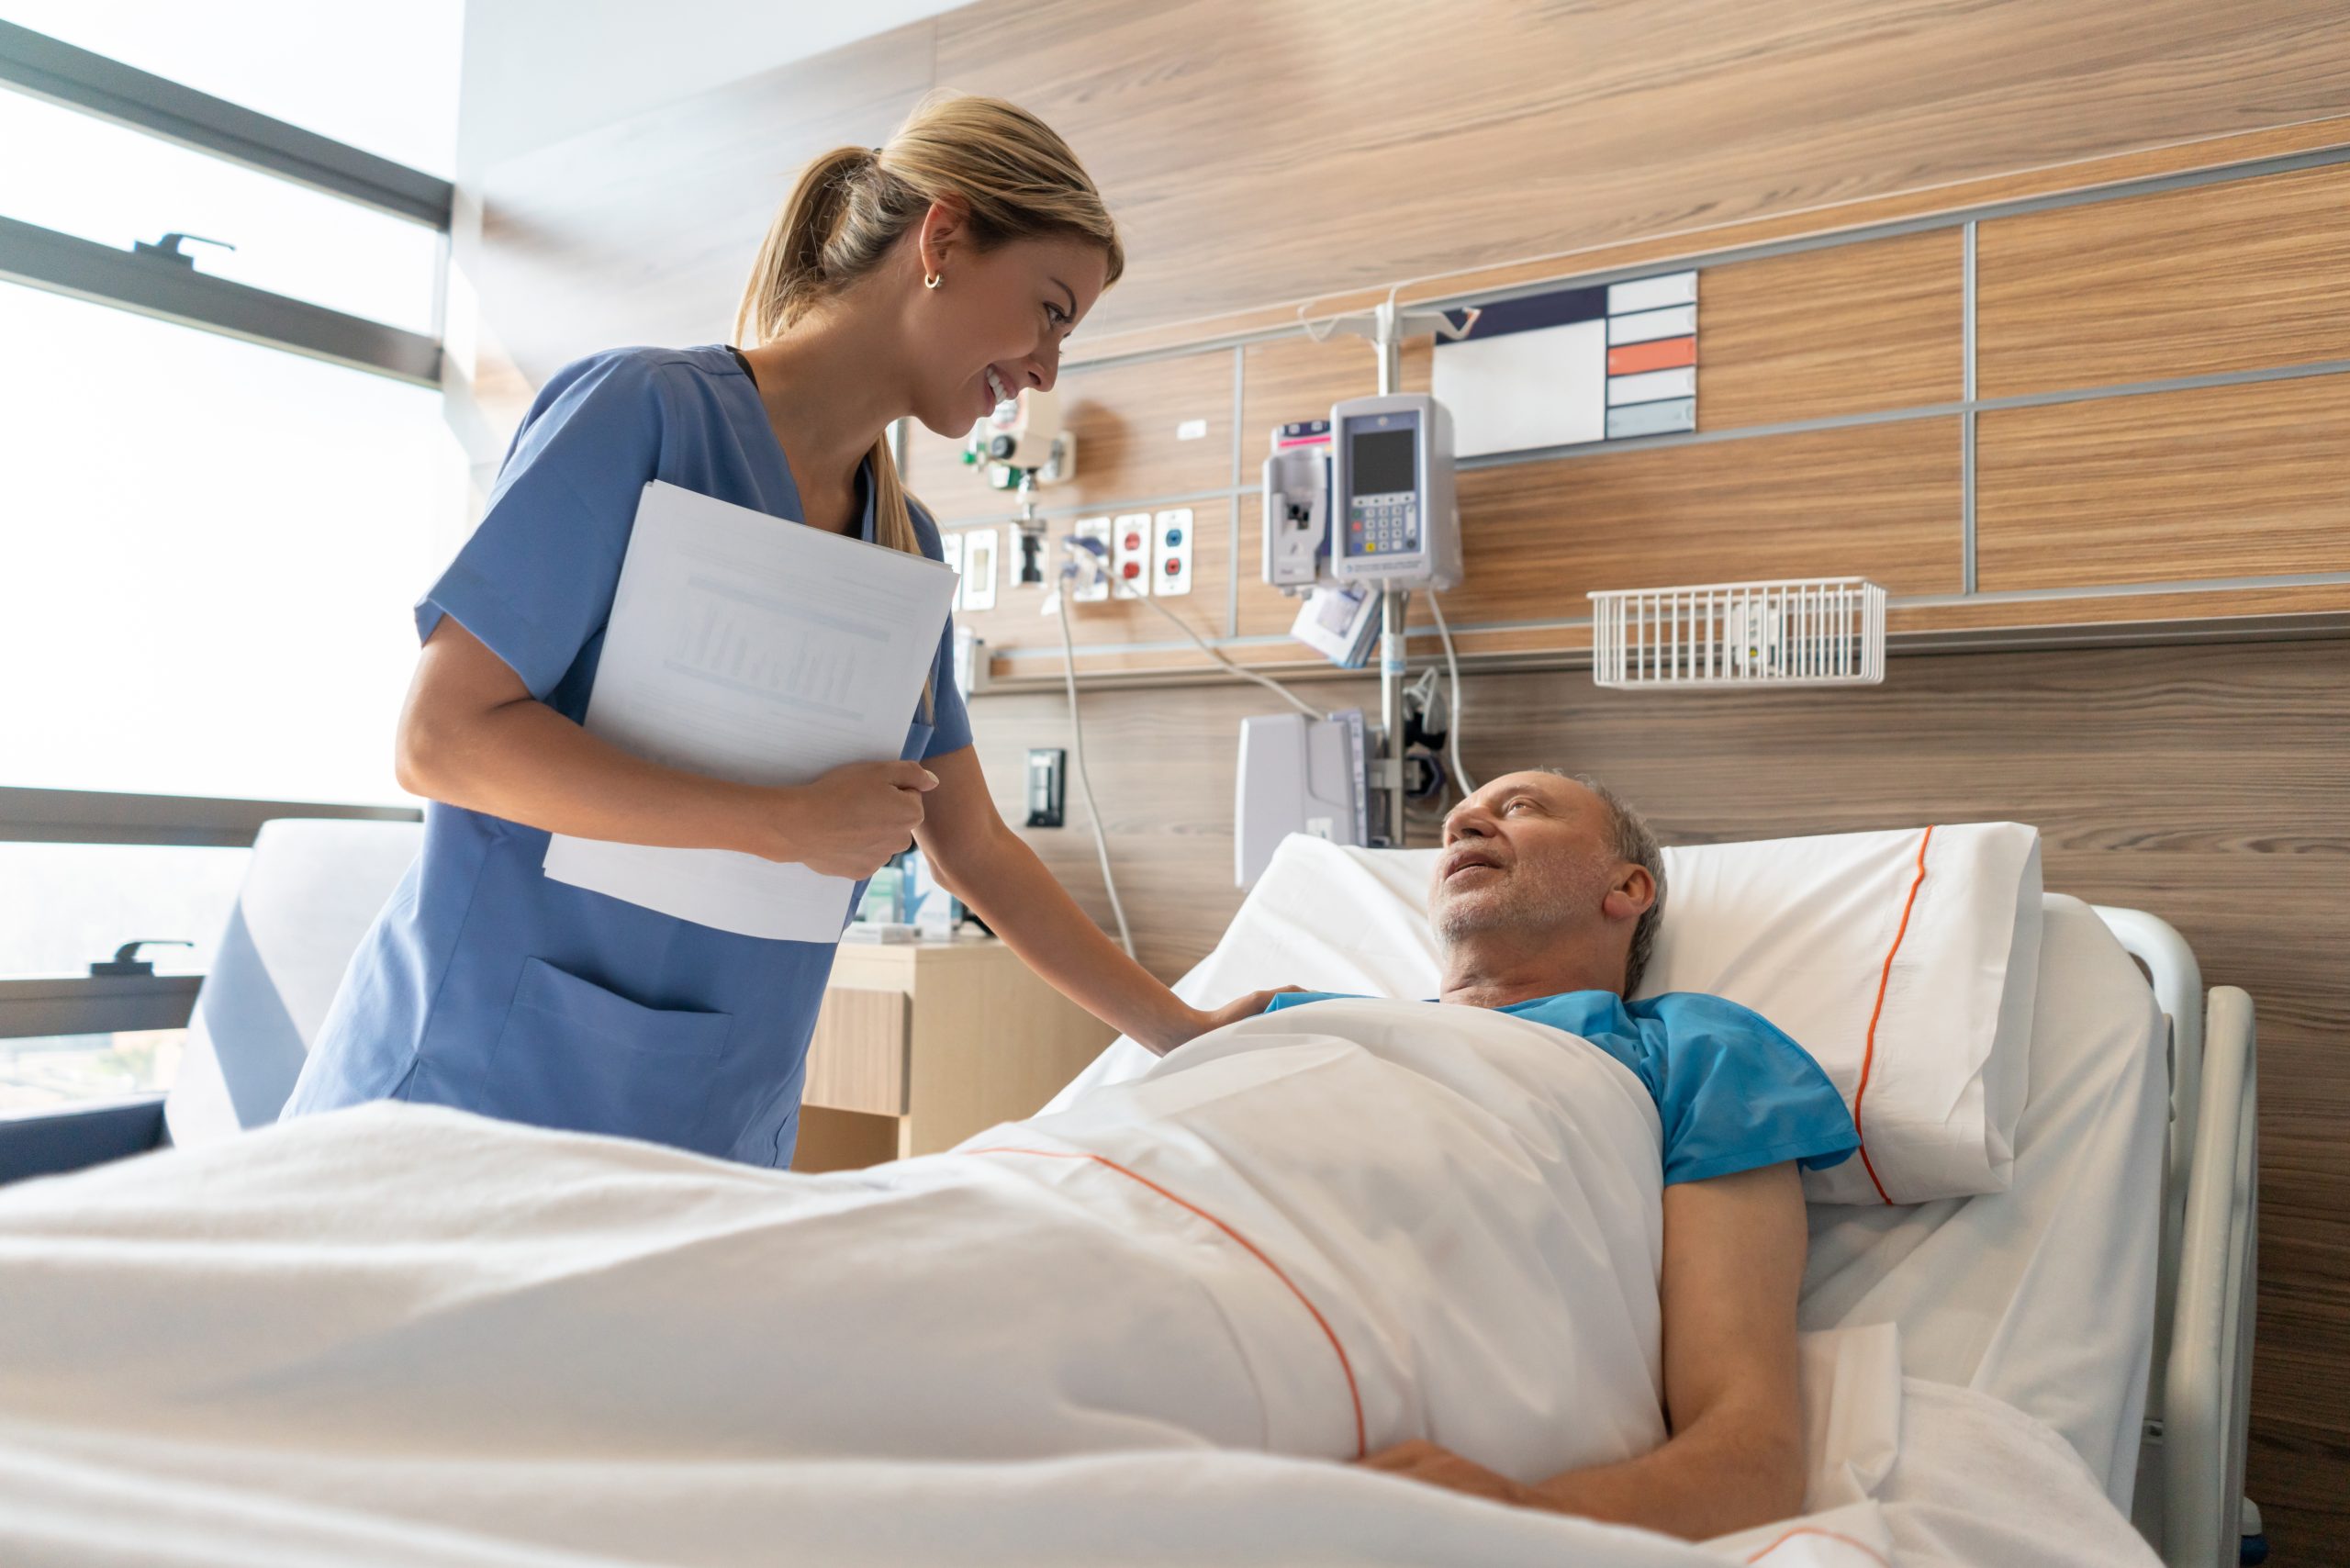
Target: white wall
(538,71)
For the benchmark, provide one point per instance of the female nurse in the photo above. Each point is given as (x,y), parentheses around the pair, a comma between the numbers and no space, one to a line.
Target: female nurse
(930,277)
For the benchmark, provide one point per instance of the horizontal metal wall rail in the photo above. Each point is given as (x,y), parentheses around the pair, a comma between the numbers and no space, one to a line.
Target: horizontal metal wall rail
(50,69)
(1722,255)
(100,816)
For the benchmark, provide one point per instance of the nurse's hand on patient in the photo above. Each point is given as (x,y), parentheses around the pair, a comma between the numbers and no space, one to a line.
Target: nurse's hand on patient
(845,824)
(1198,1021)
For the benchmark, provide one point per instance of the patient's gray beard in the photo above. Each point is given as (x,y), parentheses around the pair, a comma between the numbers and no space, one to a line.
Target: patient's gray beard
(1522,901)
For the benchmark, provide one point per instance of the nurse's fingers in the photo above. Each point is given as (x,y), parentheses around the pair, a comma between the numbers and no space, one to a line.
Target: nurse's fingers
(909,776)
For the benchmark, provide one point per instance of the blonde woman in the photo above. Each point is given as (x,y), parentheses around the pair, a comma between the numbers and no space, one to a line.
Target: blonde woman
(927,278)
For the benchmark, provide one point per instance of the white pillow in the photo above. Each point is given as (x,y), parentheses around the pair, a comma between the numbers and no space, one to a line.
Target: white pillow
(1904,962)
(1797,929)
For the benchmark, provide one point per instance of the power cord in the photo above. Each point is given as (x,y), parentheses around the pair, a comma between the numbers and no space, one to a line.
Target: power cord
(1084,775)
(1275,687)
(1467,785)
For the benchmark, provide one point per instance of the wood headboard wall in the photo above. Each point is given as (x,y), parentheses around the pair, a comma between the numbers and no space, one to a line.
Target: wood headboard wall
(2159,431)
(2124,222)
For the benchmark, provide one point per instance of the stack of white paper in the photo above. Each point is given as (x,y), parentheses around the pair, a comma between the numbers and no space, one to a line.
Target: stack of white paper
(754,648)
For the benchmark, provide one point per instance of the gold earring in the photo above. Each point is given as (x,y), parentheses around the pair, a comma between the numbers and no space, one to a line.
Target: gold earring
(931,280)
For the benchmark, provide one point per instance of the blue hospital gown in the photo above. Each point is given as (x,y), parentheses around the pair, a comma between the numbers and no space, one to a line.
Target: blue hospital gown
(483,984)
(1732,1090)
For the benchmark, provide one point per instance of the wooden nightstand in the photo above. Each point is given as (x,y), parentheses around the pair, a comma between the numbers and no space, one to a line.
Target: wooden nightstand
(921,1044)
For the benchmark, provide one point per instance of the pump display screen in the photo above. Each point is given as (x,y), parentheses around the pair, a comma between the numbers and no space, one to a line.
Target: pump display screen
(1383,462)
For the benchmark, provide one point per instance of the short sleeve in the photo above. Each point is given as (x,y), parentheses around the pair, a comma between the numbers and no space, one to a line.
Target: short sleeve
(1739,1094)
(950,720)
(535,580)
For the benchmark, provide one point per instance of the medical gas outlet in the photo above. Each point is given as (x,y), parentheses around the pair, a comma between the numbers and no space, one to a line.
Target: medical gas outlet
(1147,555)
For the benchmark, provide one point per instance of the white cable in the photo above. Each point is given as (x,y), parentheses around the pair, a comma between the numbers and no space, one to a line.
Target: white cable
(1452,741)
(1275,687)
(1084,778)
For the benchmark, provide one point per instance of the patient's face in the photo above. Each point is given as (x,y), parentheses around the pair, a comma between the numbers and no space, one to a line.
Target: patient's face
(1529,849)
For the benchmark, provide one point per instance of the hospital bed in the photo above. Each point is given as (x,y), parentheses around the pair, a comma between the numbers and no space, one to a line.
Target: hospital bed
(2028,1296)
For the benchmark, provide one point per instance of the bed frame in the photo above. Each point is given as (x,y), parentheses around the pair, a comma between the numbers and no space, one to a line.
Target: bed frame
(2190,1462)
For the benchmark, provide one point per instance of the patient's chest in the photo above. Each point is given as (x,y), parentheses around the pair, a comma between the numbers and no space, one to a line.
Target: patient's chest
(1472,1200)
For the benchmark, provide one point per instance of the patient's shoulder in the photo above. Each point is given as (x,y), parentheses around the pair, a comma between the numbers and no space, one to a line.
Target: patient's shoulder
(1697,1011)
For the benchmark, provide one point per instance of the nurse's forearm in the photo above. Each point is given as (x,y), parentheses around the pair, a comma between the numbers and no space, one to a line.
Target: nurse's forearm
(1027,907)
(528,764)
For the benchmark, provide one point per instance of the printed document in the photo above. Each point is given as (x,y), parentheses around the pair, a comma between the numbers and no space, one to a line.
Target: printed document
(757,649)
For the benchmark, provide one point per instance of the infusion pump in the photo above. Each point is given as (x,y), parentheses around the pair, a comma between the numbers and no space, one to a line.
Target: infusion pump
(1392,520)
(1363,497)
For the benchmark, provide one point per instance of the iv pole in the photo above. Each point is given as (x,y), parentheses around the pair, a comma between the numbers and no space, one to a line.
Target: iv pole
(1387,325)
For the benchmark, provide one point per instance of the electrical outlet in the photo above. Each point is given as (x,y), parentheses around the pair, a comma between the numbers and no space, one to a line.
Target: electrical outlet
(1172,552)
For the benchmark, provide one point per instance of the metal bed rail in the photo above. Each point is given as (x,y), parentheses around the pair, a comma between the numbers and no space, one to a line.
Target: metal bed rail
(2196,1404)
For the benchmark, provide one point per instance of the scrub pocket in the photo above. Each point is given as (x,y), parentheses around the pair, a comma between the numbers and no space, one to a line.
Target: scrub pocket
(574,1055)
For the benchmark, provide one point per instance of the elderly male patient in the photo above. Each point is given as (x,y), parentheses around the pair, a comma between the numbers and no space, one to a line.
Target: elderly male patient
(1546,900)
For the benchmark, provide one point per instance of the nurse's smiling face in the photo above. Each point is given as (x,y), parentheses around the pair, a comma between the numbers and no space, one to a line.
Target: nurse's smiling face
(995,323)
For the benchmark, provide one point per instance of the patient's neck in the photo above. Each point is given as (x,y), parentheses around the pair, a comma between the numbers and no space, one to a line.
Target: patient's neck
(1496,969)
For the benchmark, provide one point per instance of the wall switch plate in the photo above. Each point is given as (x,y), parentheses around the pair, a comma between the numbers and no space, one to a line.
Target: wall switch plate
(1096,529)
(978,591)
(1046,769)
(1130,554)
(1171,553)
(950,550)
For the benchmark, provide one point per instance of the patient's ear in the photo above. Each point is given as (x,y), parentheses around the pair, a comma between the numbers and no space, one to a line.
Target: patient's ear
(1634,893)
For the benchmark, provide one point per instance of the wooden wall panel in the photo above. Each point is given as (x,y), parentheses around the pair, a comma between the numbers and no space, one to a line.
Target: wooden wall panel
(1848,331)
(1259,153)
(2233,276)
(2168,486)
(1126,418)
(2200,783)
(1881,500)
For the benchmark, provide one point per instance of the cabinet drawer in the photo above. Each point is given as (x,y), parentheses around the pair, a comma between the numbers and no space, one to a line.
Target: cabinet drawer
(856,1059)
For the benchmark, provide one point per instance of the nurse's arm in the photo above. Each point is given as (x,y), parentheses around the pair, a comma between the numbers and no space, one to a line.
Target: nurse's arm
(981,861)
(471,734)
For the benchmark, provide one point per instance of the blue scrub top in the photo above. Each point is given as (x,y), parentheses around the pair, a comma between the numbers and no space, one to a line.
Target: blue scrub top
(1733,1092)
(485,985)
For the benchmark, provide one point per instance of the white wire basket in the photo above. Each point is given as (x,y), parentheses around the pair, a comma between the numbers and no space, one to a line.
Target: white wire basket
(1816,632)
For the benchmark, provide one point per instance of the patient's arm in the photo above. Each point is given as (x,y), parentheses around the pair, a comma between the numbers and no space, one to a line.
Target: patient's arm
(1733,1263)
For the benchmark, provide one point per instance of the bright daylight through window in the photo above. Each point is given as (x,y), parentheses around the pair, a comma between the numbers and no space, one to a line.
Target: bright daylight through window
(208,546)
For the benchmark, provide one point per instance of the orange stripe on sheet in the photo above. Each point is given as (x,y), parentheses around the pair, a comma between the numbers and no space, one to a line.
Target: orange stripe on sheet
(1883,979)
(1363,1447)
(1864,1548)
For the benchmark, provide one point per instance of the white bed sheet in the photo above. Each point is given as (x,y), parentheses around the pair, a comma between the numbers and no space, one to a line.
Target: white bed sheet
(2044,1295)
(2041,1296)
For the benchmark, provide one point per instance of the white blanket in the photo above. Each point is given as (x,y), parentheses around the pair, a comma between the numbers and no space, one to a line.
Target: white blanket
(1137,1330)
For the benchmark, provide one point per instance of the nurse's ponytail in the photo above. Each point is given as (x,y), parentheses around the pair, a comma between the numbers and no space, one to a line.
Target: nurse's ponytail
(1018,179)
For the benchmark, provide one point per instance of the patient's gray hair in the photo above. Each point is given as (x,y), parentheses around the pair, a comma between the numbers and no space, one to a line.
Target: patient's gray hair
(1631,839)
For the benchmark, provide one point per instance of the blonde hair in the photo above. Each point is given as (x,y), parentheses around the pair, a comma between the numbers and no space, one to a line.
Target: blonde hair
(1017,178)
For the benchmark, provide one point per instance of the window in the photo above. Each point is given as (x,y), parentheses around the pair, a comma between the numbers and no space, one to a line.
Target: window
(100,181)
(46,1072)
(209,546)
(380,74)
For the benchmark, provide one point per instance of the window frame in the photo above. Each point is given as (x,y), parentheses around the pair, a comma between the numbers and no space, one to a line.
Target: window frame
(74,78)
